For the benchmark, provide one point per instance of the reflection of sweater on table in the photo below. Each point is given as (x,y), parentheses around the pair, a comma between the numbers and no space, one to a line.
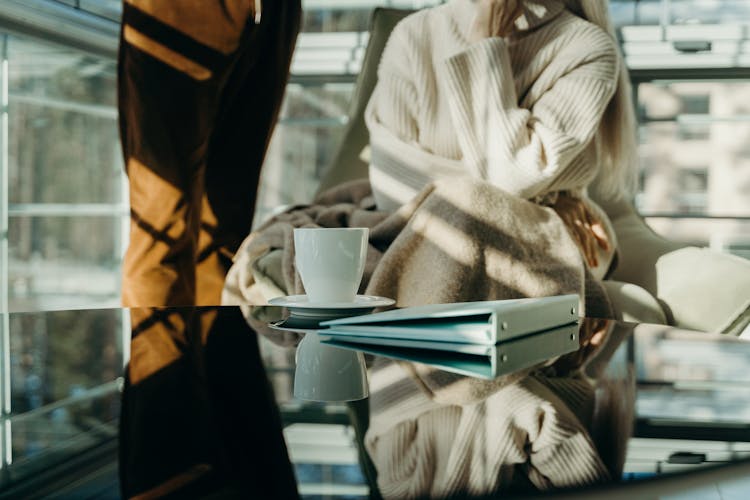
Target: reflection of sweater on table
(439,449)
(540,95)
(564,423)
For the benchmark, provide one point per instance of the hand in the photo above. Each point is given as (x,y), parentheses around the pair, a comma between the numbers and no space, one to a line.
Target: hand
(495,18)
(586,229)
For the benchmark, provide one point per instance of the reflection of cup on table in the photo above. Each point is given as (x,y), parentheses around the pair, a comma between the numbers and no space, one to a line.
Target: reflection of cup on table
(330,262)
(327,373)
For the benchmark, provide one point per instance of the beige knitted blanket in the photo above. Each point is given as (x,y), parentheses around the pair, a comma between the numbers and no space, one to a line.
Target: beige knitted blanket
(458,240)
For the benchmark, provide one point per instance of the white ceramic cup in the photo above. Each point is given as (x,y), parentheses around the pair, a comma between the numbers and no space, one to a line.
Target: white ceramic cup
(327,373)
(330,262)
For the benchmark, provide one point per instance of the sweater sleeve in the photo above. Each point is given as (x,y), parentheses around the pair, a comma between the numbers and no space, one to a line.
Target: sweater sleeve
(400,164)
(393,102)
(523,150)
(561,452)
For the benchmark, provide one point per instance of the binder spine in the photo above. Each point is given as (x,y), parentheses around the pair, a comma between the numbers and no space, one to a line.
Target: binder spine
(535,317)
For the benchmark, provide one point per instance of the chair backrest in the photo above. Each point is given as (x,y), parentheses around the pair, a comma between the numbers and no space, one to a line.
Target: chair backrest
(347,164)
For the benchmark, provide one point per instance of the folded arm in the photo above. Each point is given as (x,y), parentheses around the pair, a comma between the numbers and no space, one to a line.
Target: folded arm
(524,149)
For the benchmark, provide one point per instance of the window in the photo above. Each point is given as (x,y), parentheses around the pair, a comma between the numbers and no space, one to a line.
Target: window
(695,181)
(67,202)
(309,131)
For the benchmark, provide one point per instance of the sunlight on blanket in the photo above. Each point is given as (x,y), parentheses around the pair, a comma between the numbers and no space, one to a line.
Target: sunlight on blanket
(454,242)
(534,283)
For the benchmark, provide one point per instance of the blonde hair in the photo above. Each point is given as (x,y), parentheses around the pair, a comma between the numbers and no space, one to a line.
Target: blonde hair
(618,146)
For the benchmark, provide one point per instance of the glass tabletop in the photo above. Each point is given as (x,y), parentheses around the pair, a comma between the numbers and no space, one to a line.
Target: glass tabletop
(209,394)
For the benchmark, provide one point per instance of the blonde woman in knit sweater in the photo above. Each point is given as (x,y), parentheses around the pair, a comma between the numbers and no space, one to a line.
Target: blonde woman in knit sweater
(529,95)
(532,97)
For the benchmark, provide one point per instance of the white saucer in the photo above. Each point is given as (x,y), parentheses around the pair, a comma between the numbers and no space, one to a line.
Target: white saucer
(359,302)
(280,328)
(299,305)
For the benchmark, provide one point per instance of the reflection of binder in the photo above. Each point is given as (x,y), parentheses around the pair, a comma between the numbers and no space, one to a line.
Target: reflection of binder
(473,360)
(485,323)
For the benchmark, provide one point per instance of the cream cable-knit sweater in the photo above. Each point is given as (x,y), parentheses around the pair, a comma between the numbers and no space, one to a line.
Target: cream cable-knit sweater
(522,113)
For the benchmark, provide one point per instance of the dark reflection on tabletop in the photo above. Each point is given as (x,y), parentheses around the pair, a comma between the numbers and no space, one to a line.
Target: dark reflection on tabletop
(198,415)
(59,375)
(200,418)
